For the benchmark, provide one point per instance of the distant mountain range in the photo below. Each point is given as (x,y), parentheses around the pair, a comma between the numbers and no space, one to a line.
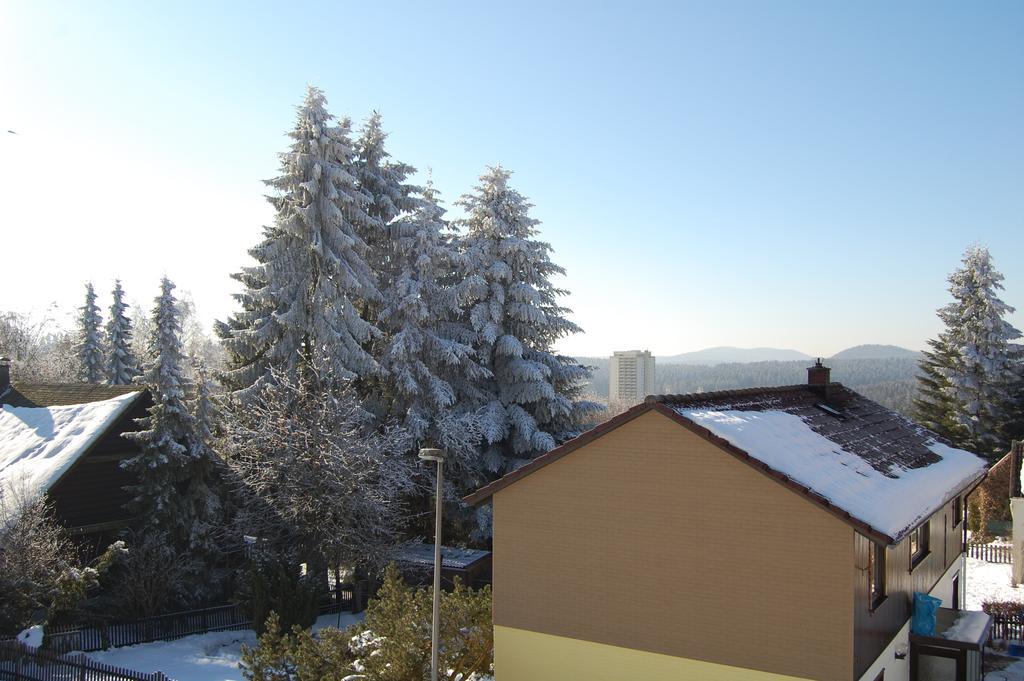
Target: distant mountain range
(730,355)
(876,352)
(884,373)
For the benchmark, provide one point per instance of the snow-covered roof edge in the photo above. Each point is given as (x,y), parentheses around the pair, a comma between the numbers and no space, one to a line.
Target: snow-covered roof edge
(451,556)
(653,403)
(60,462)
(889,505)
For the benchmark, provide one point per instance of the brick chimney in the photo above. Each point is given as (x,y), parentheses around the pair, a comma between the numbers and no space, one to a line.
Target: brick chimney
(818,374)
(5,374)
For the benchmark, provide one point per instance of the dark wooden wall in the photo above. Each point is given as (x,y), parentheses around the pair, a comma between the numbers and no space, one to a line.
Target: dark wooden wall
(873,630)
(91,498)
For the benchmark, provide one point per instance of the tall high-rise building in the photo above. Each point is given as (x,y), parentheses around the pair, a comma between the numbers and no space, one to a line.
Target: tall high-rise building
(631,376)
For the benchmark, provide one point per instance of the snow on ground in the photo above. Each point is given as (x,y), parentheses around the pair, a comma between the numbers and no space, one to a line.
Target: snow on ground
(891,502)
(39,444)
(203,657)
(32,637)
(989,582)
(1015,672)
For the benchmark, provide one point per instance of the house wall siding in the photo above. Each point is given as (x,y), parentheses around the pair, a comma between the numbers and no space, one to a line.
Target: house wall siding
(874,630)
(92,491)
(653,539)
(899,669)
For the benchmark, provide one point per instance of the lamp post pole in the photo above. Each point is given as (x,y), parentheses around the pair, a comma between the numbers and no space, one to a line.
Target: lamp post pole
(435,630)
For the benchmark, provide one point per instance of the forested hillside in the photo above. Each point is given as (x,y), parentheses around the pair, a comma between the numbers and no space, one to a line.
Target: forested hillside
(890,382)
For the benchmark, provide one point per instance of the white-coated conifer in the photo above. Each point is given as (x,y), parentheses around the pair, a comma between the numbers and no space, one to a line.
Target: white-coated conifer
(979,371)
(121,365)
(89,348)
(533,396)
(202,506)
(427,354)
(172,495)
(298,305)
(383,181)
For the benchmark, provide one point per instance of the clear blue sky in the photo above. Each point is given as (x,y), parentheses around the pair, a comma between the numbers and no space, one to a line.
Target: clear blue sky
(795,174)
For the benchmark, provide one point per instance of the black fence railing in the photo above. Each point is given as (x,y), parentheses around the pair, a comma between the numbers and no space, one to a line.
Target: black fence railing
(992,553)
(62,639)
(22,663)
(1007,628)
(161,628)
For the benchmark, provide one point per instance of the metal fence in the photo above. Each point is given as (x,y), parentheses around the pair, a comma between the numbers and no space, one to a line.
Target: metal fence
(62,639)
(22,663)
(1007,628)
(992,553)
(161,628)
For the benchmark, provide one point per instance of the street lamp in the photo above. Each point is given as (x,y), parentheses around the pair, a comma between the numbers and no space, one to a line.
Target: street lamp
(438,456)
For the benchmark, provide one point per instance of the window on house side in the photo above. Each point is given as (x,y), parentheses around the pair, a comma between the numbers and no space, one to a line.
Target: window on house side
(919,543)
(876,574)
(958,511)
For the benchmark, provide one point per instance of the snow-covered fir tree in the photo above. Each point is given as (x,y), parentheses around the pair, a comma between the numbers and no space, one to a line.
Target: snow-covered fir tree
(204,414)
(171,495)
(432,375)
(89,348)
(969,375)
(201,498)
(534,394)
(383,180)
(121,366)
(298,303)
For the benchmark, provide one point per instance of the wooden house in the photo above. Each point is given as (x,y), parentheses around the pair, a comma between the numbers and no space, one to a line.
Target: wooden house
(65,441)
(761,534)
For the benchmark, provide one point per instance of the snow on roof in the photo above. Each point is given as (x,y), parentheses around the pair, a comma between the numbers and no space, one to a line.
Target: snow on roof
(39,444)
(884,473)
(970,626)
(892,500)
(451,557)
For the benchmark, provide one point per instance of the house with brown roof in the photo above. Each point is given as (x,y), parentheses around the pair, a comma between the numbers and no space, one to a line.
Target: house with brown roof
(65,440)
(768,534)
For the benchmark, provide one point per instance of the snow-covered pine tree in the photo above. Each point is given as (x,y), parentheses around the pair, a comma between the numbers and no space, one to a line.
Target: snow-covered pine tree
(384,181)
(968,377)
(533,396)
(90,343)
(430,365)
(167,497)
(203,414)
(121,366)
(298,306)
(202,503)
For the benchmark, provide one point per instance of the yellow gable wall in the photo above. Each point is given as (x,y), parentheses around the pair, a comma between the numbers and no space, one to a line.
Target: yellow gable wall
(651,538)
(529,656)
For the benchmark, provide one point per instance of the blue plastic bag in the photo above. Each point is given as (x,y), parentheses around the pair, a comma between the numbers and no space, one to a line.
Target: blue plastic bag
(923,621)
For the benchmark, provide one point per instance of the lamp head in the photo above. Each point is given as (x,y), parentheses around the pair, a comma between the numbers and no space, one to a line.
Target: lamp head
(432,455)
